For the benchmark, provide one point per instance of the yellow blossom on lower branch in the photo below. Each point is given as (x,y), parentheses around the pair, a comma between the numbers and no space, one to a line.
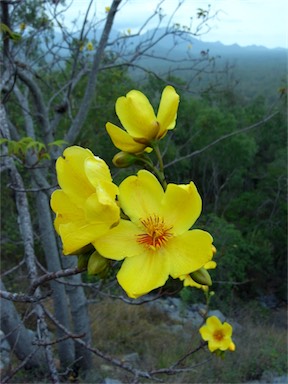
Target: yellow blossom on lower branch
(85,206)
(156,242)
(217,335)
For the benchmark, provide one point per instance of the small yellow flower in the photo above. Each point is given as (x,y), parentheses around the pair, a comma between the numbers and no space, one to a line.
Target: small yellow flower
(217,334)
(157,241)
(89,46)
(107,9)
(138,118)
(85,205)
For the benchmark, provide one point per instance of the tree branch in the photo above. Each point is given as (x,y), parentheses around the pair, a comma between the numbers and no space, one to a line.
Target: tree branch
(78,122)
(224,137)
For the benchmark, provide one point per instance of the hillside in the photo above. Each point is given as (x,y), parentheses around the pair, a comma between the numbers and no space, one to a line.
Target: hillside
(254,70)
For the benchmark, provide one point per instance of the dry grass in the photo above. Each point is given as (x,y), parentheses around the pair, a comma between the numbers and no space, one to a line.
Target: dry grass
(122,329)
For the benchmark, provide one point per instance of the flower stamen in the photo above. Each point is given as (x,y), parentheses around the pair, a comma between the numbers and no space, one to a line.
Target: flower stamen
(156,233)
(218,335)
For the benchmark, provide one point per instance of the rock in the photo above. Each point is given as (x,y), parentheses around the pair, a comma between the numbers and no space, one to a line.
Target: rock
(111,381)
(269,301)
(218,314)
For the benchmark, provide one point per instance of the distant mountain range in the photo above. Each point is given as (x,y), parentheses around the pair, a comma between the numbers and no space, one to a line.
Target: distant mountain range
(185,41)
(257,70)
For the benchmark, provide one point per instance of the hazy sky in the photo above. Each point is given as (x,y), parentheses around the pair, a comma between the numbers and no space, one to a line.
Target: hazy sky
(245,22)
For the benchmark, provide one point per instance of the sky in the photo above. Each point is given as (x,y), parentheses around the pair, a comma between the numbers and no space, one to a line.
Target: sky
(243,22)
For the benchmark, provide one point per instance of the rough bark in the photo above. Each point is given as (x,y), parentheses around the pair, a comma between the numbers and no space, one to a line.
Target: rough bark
(18,336)
(25,226)
(79,313)
(61,308)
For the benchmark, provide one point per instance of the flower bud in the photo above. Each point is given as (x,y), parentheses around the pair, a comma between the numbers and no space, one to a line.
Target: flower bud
(96,264)
(201,276)
(124,159)
(232,347)
(83,261)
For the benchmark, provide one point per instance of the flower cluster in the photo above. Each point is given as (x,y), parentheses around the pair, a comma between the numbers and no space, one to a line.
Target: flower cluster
(144,223)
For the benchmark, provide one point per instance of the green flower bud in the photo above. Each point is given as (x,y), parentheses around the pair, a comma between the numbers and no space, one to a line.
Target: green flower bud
(124,159)
(96,264)
(201,276)
(83,261)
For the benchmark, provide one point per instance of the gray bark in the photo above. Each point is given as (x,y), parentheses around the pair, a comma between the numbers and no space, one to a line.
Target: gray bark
(25,226)
(61,308)
(18,336)
(77,298)
(79,313)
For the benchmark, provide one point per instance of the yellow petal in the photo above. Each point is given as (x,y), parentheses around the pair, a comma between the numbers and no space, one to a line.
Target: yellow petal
(60,203)
(167,112)
(97,212)
(213,345)
(96,170)
(188,252)
(227,329)
(143,273)
(211,264)
(119,242)
(189,282)
(181,206)
(213,323)
(140,195)
(77,234)
(137,116)
(71,174)
(123,141)
(205,332)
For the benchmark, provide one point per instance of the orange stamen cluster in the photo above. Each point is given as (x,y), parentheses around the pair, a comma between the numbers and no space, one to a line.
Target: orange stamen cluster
(218,335)
(156,232)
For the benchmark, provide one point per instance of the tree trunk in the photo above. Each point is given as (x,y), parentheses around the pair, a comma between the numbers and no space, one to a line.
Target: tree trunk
(61,308)
(79,312)
(25,227)
(18,336)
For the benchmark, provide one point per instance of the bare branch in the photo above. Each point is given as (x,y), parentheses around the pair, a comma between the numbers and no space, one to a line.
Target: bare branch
(21,297)
(224,137)
(78,122)
(52,276)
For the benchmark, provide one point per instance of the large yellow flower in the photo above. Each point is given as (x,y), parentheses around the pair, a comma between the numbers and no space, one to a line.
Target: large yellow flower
(157,241)
(138,118)
(217,334)
(85,207)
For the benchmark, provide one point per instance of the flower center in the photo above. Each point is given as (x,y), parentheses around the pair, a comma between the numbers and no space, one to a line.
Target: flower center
(218,335)
(156,233)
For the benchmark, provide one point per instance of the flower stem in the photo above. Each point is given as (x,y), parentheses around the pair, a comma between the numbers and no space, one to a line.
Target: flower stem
(159,172)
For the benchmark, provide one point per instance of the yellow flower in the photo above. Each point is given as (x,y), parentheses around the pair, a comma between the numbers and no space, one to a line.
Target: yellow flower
(85,207)
(188,280)
(89,46)
(138,118)
(217,334)
(157,241)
